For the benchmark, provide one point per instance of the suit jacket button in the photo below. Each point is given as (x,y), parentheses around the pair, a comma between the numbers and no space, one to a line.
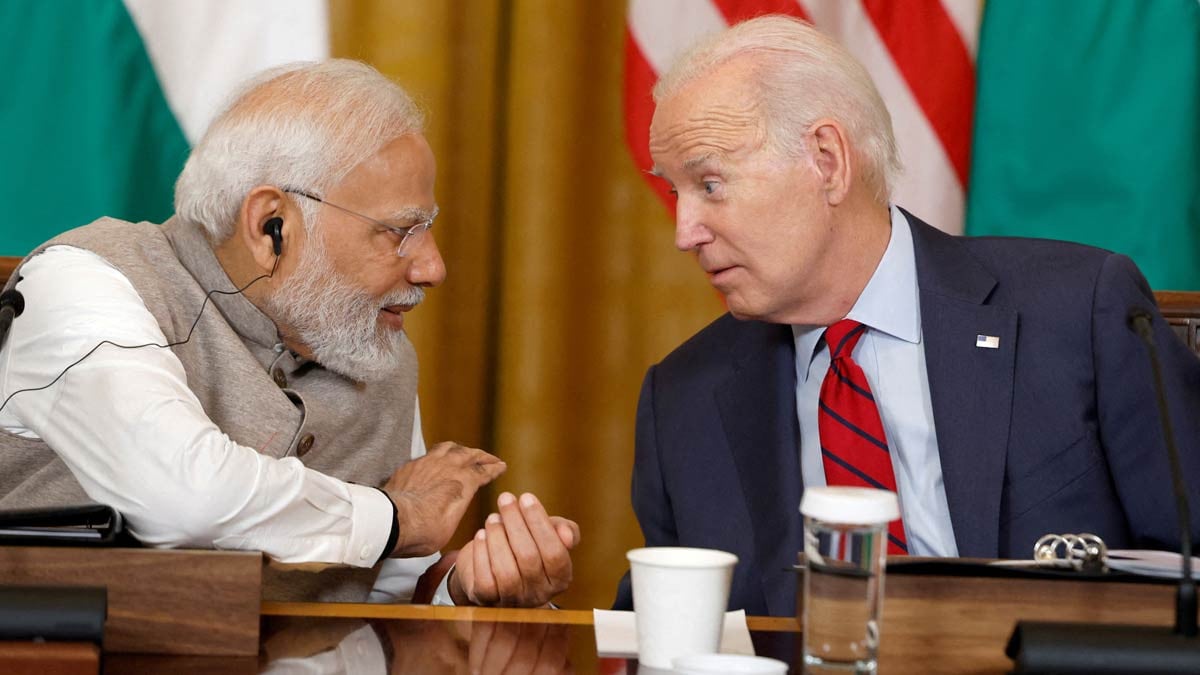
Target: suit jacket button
(279,377)
(306,443)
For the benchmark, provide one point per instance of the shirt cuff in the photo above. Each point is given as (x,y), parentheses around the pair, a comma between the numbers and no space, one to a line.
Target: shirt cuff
(441,596)
(395,534)
(371,525)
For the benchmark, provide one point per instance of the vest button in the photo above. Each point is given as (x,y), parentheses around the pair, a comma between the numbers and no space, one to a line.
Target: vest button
(306,443)
(279,377)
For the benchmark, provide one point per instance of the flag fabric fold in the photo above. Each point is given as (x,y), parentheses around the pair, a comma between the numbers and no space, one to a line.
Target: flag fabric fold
(1088,129)
(106,98)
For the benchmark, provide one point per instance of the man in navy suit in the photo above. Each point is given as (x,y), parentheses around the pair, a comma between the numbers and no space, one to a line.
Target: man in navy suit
(1014,399)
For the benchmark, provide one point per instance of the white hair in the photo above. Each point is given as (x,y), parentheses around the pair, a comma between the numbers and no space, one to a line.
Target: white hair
(302,126)
(802,75)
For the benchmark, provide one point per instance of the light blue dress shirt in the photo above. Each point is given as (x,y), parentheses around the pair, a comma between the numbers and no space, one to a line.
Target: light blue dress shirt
(892,356)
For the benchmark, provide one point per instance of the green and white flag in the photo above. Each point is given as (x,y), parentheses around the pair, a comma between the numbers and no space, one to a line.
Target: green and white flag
(104,98)
(1087,129)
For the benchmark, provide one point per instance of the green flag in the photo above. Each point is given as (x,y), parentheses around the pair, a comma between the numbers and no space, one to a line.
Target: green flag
(85,130)
(103,99)
(1087,129)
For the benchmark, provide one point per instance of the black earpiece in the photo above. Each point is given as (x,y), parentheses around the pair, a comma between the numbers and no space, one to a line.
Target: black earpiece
(274,229)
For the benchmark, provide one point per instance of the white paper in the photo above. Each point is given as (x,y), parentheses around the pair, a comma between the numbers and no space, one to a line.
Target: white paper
(616,634)
(1151,563)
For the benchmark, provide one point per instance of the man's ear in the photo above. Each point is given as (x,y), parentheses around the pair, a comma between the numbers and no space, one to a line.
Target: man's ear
(265,223)
(832,157)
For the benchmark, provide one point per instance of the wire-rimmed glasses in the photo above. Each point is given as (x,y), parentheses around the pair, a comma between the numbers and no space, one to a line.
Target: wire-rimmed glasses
(422,220)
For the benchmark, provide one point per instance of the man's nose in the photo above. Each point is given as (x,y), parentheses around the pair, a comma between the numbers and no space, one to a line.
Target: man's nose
(427,267)
(690,230)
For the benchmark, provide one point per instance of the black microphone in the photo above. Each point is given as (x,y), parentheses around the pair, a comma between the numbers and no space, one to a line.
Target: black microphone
(1044,647)
(1185,602)
(12,303)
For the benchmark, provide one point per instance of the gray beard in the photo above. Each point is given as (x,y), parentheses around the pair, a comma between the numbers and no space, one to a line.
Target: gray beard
(338,322)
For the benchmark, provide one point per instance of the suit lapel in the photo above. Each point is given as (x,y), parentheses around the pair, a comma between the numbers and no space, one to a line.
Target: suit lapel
(758,413)
(971,387)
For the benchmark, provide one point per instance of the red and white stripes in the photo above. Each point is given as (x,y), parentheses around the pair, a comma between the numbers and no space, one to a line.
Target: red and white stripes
(921,54)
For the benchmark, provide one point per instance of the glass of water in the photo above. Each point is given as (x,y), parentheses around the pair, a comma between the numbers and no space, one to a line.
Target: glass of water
(845,547)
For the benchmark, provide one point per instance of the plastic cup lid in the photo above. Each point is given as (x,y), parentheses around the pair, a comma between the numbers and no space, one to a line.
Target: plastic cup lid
(850,505)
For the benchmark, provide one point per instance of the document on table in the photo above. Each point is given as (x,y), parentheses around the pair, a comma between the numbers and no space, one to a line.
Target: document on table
(1151,563)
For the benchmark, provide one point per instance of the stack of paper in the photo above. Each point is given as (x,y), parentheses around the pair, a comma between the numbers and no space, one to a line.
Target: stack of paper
(1151,563)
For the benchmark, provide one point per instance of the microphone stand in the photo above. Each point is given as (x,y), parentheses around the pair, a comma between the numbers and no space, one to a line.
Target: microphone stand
(1185,599)
(1043,647)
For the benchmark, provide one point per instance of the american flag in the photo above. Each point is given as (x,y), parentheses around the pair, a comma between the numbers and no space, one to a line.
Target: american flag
(921,54)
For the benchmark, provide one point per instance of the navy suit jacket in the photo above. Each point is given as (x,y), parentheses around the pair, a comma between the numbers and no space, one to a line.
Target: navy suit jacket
(1055,431)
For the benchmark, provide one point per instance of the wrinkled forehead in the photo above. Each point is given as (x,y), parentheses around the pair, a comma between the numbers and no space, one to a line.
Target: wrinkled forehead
(683,132)
(405,164)
(717,113)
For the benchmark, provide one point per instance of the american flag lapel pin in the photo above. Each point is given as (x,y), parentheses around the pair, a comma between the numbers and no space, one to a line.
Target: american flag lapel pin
(987,341)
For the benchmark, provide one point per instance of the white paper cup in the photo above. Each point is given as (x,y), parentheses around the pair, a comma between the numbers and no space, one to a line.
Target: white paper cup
(679,598)
(728,664)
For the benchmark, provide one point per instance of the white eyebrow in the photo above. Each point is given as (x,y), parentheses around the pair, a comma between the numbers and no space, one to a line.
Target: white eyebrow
(696,162)
(415,214)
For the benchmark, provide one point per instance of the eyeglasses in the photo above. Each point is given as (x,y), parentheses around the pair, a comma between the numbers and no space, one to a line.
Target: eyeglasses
(422,220)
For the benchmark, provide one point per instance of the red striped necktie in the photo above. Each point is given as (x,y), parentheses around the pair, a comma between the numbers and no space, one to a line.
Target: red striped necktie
(854,447)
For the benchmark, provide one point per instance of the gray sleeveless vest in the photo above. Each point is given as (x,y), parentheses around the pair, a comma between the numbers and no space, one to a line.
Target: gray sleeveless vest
(255,391)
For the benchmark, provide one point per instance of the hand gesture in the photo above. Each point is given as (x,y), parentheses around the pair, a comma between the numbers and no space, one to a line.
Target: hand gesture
(520,559)
(431,493)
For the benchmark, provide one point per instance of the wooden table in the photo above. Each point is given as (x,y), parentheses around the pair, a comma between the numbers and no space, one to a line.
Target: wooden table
(423,639)
(935,620)
(932,624)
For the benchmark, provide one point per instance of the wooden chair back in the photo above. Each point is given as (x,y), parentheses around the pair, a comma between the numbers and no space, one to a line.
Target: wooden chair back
(7,265)
(1181,309)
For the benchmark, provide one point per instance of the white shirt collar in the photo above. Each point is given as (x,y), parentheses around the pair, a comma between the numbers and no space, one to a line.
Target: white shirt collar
(890,301)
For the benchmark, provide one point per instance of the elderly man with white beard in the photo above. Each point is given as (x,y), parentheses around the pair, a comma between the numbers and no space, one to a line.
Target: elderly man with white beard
(239,377)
